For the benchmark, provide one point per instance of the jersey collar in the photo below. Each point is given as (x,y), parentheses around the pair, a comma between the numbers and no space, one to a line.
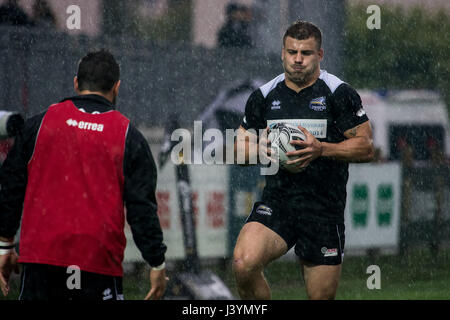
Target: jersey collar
(293,92)
(91,102)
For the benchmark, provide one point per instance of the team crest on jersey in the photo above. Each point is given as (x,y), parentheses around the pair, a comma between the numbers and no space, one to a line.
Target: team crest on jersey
(276,105)
(318,104)
(264,210)
(360,112)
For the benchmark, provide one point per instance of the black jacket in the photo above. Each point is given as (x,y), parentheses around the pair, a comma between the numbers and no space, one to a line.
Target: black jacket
(139,184)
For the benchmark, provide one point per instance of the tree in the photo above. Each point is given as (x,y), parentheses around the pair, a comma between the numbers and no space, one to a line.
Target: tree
(409,51)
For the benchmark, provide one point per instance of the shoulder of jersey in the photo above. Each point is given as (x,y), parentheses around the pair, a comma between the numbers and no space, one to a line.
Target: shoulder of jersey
(330,80)
(269,86)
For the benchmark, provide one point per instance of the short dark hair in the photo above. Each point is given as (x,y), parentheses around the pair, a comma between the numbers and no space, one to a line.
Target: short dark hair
(231,7)
(98,71)
(302,30)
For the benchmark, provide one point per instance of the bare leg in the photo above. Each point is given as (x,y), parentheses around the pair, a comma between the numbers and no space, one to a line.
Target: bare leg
(321,281)
(256,246)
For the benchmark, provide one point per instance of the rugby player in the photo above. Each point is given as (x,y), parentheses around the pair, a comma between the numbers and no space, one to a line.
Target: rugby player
(303,209)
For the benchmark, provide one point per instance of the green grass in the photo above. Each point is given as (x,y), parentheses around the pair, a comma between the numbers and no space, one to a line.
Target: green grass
(415,276)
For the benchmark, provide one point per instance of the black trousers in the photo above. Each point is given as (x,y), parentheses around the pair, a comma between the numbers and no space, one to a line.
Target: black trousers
(46,282)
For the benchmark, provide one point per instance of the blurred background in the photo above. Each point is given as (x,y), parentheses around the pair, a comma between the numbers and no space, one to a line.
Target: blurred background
(200,60)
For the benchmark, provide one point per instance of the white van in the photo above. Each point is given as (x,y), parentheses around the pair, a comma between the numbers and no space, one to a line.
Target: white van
(418,117)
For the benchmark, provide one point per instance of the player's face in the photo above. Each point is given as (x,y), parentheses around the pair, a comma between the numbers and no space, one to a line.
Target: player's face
(301,60)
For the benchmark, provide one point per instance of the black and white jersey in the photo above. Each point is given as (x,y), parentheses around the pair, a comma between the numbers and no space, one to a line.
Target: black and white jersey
(327,109)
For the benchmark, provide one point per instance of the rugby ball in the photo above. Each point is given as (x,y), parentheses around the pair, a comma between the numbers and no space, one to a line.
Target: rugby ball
(280,135)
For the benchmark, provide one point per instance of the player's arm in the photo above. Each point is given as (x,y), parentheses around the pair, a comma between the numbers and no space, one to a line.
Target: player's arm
(243,145)
(357,147)
(140,175)
(140,200)
(251,143)
(14,176)
(249,148)
(13,181)
(350,119)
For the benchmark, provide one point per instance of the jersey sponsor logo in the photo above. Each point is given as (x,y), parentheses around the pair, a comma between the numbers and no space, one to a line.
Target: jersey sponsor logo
(276,105)
(318,104)
(264,210)
(84,125)
(360,112)
(317,127)
(329,252)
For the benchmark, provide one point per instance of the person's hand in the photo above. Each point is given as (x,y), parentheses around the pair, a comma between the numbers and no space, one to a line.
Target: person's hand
(158,281)
(8,264)
(311,150)
(265,152)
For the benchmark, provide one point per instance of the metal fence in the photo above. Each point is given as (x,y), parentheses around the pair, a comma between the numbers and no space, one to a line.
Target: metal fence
(425,210)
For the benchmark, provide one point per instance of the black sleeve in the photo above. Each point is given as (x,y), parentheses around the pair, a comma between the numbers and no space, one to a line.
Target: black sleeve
(140,198)
(348,108)
(254,112)
(14,177)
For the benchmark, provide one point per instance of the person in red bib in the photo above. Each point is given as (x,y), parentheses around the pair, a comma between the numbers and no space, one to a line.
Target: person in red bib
(68,179)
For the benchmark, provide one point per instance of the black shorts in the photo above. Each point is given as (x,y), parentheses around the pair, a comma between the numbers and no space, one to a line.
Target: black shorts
(317,242)
(46,282)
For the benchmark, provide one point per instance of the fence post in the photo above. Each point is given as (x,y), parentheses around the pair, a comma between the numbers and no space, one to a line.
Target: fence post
(407,158)
(438,170)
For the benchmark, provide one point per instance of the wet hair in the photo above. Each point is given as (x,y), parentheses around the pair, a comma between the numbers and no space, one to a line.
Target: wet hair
(98,71)
(231,7)
(302,30)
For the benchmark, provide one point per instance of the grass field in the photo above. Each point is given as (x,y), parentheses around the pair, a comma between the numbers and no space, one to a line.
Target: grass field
(416,276)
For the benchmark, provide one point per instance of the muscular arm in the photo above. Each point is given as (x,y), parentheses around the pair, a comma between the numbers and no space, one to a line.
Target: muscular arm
(245,147)
(248,139)
(358,147)
(248,148)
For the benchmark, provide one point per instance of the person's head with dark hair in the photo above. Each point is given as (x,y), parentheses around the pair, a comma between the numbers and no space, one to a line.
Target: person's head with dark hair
(98,73)
(230,9)
(301,54)
(11,13)
(43,14)
(302,30)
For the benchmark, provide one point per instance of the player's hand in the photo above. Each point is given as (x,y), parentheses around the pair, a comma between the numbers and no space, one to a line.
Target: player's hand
(311,150)
(8,264)
(158,281)
(265,152)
